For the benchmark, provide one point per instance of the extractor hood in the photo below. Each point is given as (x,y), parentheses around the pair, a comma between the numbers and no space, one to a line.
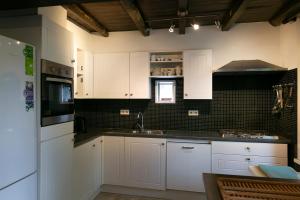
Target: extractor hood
(248,67)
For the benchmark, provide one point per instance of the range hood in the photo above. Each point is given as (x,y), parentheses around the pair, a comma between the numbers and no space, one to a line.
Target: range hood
(248,67)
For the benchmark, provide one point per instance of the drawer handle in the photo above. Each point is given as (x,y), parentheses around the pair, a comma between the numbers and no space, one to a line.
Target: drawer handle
(248,159)
(187,147)
(248,148)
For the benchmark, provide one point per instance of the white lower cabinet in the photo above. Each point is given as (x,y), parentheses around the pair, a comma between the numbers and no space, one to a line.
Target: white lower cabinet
(234,158)
(186,162)
(113,160)
(56,168)
(87,170)
(145,160)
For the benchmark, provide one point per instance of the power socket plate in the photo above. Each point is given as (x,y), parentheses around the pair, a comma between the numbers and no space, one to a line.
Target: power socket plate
(193,113)
(124,112)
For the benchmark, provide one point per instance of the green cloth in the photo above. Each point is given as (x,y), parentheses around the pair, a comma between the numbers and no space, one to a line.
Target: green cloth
(284,172)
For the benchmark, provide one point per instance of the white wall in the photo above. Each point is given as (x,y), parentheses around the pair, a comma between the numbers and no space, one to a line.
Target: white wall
(56,13)
(244,41)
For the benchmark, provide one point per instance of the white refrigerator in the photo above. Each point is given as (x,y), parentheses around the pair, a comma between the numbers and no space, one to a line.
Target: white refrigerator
(18,131)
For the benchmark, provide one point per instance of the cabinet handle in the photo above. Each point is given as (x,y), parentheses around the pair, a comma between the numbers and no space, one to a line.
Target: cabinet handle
(81,67)
(94,145)
(162,144)
(131,95)
(76,93)
(248,159)
(187,147)
(126,94)
(248,148)
(186,94)
(86,94)
(101,141)
(73,60)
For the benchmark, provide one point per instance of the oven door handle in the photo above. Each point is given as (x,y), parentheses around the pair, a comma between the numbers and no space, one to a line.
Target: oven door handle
(60,80)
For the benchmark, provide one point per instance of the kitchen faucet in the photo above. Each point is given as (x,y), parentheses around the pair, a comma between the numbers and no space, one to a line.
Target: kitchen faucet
(140,117)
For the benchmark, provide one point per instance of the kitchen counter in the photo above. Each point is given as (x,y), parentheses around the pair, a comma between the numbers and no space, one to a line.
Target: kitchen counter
(169,134)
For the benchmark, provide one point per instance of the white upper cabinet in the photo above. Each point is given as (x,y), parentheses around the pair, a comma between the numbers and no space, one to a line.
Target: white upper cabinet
(145,161)
(57,43)
(111,76)
(197,74)
(84,84)
(139,75)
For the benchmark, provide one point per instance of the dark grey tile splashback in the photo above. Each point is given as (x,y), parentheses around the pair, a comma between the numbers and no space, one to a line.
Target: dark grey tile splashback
(243,102)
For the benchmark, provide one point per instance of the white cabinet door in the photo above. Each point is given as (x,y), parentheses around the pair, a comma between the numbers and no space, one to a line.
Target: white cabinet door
(139,75)
(84,78)
(113,160)
(81,172)
(197,70)
(56,168)
(186,162)
(57,43)
(88,75)
(145,162)
(111,75)
(87,170)
(97,165)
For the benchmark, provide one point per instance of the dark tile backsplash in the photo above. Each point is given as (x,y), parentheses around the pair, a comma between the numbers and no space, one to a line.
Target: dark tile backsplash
(243,102)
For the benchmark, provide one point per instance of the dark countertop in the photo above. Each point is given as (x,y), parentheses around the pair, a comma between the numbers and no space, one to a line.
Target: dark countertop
(212,189)
(169,134)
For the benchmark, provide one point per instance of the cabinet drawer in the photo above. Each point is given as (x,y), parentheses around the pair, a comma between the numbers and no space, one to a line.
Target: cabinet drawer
(239,164)
(247,148)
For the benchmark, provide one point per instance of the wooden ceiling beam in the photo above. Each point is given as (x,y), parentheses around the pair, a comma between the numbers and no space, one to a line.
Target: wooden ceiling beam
(233,14)
(79,12)
(286,13)
(136,16)
(182,12)
(9,5)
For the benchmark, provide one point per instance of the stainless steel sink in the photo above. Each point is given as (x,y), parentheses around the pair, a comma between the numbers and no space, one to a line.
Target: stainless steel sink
(148,132)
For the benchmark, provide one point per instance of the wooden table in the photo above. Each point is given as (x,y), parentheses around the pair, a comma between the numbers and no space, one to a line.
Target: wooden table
(211,186)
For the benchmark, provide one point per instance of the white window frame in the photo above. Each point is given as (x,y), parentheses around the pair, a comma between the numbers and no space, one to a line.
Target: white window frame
(157,92)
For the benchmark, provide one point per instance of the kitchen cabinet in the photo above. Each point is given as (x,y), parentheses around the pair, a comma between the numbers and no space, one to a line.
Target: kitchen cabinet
(197,74)
(84,84)
(57,43)
(139,75)
(113,160)
(186,162)
(56,168)
(235,157)
(87,170)
(111,76)
(145,160)
(122,75)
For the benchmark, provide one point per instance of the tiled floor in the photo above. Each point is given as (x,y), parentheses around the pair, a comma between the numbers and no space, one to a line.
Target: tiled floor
(111,196)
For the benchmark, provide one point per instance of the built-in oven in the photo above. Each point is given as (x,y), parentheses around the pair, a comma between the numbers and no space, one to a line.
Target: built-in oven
(57,99)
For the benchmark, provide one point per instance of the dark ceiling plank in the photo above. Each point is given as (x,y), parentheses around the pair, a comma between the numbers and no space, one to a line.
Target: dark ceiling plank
(9,5)
(233,14)
(135,14)
(78,11)
(286,12)
(182,12)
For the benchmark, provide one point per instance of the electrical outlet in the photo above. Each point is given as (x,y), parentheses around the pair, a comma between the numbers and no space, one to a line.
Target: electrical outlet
(193,113)
(124,112)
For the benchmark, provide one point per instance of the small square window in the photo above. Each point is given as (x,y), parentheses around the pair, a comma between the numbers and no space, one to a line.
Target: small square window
(165,91)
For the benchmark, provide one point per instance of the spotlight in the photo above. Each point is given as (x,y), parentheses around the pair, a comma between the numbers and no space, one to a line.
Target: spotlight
(171,29)
(195,26)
